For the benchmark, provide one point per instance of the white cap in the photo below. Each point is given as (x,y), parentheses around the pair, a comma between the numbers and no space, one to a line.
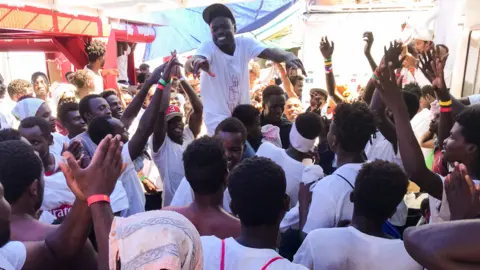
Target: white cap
(423,34)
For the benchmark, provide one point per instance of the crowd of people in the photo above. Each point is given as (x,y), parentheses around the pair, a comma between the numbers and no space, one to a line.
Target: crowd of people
(199,166)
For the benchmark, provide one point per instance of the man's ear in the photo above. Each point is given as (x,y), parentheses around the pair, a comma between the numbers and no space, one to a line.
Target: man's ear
(33,189)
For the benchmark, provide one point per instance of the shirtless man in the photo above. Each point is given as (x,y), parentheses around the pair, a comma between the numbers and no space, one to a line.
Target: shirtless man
(208,178)
(25,201)
(58,248)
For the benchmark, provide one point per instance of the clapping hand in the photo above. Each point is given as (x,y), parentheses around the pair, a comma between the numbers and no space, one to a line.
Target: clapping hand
(101,174)
(462,194)
(326,48)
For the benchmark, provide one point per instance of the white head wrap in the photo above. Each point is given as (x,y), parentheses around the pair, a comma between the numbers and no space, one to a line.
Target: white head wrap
(300,143)
(26,108)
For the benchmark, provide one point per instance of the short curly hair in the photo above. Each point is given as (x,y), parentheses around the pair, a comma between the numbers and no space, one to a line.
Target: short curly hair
(232,125)
(20,167)
(354,126)
(64,108)
(95,49)
(18,88)
(379,187)
(80,78)
(258,189)
(309,125)
(468,119)
(9,134)
(206,175)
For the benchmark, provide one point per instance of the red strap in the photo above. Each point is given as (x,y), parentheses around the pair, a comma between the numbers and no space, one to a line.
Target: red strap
(222,259)
(271,261)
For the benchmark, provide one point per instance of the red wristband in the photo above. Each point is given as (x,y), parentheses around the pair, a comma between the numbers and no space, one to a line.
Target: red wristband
(445,109)
(160,87)
(98,198)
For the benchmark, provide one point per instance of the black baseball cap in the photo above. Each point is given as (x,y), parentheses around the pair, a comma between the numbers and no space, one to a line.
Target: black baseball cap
(217,10)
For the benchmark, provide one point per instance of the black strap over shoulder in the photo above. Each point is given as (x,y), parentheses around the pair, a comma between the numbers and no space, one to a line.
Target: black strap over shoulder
(345,180)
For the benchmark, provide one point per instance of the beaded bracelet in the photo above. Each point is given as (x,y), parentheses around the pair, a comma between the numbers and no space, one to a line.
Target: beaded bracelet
(445,103)
(328,70)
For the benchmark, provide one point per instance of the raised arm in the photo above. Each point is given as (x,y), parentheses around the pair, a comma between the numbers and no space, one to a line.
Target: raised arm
(106,165)
(287,84)
(149,118)
(195,121)
(368,38)
(327,48)
(66,242)
(385,125)
(280,56)
(132,110)
(409,148)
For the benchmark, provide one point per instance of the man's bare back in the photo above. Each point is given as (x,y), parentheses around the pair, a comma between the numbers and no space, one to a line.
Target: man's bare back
(210,220)
(26,229)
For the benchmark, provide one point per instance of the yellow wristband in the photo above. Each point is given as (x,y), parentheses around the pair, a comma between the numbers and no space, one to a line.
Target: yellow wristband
(445,103)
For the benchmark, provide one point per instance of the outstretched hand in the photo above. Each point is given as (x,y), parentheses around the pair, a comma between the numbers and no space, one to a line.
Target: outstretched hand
(389,90)
(462,194)
(432,64)
(326,47)
(101,174)
(392,55)
(201,63)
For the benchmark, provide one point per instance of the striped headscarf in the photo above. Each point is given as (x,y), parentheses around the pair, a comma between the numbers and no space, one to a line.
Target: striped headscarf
(155,240)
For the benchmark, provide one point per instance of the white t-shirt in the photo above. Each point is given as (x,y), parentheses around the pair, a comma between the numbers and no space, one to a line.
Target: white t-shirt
(132,185)
(230,86)
(7,120)
(170,163)
(348,248)
(122,65)
(420,125)
(474,99)
(58,141)
(293,168)
(382,149)
(331,198)
(97,80)
(240,257)
(184,196)
(13,256)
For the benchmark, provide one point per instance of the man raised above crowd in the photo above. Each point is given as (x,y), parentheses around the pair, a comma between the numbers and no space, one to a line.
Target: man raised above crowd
(224,84)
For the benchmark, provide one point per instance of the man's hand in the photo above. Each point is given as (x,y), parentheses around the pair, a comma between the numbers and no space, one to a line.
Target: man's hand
(368,38)
(172,64)
(149,186)
(201,63)
(294,63)
(326,48)
(462,194)
(102,173)
(389,90)
(392,55)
